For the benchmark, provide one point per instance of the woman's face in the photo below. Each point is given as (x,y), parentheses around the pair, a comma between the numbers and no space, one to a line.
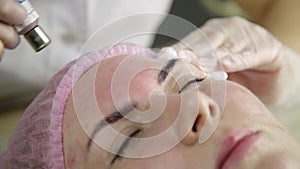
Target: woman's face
(247,136)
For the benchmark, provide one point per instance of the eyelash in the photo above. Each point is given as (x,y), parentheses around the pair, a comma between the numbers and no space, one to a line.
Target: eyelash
(191,82)
(124,145)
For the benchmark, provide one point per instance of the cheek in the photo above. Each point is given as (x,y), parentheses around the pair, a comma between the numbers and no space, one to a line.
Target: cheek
(243,108)
(71,159)
(74,138)
(74,154)
(241,101)
(171,159)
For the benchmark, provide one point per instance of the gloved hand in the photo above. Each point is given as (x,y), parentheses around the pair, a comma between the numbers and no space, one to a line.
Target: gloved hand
(11,13)
(251,56)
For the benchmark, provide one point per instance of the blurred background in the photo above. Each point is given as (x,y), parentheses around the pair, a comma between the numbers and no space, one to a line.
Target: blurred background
(14,100)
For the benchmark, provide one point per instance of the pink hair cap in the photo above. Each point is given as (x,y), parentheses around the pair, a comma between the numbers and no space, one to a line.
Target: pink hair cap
(37,141)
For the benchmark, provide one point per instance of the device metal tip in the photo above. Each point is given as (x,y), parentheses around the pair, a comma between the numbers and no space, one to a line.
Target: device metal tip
(37,38)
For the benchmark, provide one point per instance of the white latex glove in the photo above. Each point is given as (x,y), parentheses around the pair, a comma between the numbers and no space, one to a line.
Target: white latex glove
(11,13)
(251,56)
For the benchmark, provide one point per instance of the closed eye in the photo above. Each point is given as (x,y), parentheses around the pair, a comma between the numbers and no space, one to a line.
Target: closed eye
(191,82)
(124,146)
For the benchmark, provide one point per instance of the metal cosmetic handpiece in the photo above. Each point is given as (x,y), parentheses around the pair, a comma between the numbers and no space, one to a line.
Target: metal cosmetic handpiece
(32,32)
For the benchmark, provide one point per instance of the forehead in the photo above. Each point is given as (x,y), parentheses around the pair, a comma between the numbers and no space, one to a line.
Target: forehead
(117,66)
(123,77)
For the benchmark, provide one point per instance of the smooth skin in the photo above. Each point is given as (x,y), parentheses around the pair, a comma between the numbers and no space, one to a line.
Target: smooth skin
(275,148)
(269,65)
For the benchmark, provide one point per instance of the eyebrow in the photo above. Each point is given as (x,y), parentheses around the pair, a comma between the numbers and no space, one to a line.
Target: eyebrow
(165,70)
(110,119)
(117,115)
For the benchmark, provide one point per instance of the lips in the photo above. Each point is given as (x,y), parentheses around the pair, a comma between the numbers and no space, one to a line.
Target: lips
(235,146)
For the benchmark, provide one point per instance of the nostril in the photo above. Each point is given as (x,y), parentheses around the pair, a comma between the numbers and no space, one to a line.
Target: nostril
(198,119)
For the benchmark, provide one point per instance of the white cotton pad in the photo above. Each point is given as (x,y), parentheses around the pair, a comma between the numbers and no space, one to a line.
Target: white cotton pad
(219,75)
(168,53)
(209,63)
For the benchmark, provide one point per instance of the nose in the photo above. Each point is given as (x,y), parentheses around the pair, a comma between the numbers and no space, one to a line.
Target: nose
(184,119)
(205,121)
(192,117)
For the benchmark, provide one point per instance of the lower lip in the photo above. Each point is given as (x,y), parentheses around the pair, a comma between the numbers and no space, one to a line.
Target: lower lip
(239,151)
